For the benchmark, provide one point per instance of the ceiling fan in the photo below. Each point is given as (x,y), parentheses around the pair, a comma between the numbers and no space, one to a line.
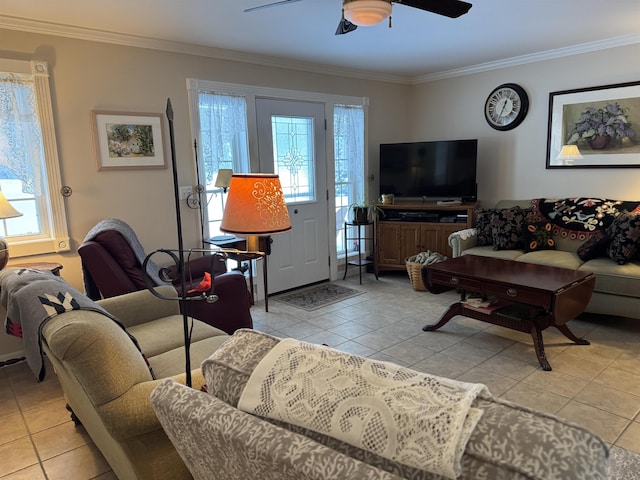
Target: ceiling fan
(371,12)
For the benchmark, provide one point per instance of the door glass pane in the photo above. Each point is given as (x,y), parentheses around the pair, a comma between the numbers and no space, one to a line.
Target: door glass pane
(293,157)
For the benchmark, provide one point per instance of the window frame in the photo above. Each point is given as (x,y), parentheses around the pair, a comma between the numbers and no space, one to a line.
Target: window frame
(54,236)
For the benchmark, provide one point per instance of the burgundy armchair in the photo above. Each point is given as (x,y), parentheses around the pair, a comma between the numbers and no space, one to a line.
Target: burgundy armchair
(112,266)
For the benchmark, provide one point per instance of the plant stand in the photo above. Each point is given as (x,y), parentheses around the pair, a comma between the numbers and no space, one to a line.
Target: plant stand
(360,237)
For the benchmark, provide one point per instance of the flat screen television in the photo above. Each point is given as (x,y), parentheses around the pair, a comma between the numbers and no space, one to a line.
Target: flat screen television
(443,169)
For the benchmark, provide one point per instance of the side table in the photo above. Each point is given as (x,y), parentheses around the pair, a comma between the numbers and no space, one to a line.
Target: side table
(238,243)
(361,229)
(53,267)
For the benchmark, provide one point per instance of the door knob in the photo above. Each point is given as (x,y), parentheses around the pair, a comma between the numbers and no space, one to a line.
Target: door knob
(295,211)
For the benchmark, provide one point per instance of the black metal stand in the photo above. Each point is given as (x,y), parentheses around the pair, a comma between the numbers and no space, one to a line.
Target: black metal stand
(183,303)
(359,238)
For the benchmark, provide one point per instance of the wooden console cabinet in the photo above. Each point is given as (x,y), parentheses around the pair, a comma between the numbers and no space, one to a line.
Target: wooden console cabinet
(406,229)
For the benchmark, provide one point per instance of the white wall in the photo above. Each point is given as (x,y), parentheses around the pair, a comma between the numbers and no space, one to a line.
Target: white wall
(512,163)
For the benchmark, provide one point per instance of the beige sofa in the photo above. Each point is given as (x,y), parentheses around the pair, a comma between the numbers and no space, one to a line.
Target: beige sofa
(617,288)
(218,440)
(107,382)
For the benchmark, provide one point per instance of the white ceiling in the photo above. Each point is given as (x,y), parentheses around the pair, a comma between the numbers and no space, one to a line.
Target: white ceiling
(419,46)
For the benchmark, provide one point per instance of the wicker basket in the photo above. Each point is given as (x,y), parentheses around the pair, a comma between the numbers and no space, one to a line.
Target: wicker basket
(415,274)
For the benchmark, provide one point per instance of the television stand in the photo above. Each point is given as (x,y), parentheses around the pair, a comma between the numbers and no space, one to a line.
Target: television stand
(406,229)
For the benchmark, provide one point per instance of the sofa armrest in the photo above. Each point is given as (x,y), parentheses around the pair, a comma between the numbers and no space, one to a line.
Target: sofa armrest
(142,306)
(462,240)
(131,414)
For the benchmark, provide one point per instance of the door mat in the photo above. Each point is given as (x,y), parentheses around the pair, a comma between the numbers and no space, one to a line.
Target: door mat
(318,296)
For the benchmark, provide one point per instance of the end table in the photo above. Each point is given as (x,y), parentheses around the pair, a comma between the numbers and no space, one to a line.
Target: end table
(53,267)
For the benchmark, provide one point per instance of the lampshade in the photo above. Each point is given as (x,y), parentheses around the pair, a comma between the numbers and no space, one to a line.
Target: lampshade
(224,178)
(255,206)
(569,153)
(366,12)
(6,211)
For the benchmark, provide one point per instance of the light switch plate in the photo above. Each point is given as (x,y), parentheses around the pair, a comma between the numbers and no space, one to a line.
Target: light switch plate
(185,192)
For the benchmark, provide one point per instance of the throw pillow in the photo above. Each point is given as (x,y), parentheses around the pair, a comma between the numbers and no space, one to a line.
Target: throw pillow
(594,245)
(489,219)
(625,237)
(506,227)
(483,227)
(537,236)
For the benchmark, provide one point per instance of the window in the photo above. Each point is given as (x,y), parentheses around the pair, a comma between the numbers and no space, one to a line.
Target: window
(224,144)
(29,169)
(348,136)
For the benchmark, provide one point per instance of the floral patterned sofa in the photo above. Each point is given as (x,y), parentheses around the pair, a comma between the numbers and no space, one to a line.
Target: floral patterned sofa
(592,234)
(218,440)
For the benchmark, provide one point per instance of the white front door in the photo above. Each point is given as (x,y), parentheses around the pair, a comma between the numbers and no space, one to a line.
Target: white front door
(291,143)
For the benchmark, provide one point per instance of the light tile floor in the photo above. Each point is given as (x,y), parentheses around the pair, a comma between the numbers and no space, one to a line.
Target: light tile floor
(597,386)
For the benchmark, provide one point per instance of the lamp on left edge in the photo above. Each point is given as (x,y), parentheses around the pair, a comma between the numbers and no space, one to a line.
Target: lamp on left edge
(6,211)
(223,179)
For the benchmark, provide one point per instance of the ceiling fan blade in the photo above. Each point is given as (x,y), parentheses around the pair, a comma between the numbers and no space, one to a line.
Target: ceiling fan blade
(345,26)
(268,5)
(448,8)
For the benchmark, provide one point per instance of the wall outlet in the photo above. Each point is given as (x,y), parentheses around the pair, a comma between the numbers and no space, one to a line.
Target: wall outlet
(185,192)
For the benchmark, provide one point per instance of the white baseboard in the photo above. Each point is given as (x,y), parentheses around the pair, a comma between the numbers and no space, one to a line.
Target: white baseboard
(12,356)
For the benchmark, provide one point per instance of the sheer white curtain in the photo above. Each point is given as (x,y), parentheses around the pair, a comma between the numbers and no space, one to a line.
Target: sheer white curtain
(21,154)
(223,133)
(21,150)
(224,144)
(349,163)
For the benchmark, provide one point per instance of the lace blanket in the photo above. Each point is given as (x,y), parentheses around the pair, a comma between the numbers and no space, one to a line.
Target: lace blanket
(410,417)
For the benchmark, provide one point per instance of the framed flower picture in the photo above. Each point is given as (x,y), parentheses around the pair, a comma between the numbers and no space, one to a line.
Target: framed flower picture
(128,140)
(595,127)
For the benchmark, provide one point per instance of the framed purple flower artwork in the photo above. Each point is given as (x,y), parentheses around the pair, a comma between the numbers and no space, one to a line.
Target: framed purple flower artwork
(595,127)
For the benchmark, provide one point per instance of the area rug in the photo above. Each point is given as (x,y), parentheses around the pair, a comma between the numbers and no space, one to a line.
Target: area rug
(317,296)
(623,464)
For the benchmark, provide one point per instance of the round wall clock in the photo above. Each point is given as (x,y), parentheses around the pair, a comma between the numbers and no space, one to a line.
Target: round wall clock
(506,106)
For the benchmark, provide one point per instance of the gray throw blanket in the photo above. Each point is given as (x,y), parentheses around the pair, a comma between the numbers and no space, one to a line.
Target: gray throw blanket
(31,298)
(130,236)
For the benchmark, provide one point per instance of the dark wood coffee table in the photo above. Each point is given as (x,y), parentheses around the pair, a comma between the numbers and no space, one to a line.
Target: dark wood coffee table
(540,296)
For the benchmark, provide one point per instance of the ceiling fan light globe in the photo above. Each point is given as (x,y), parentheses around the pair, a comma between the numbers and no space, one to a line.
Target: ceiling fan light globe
(366,13)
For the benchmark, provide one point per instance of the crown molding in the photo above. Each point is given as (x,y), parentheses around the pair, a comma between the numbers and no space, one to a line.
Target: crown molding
(531,58)
(94,35)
